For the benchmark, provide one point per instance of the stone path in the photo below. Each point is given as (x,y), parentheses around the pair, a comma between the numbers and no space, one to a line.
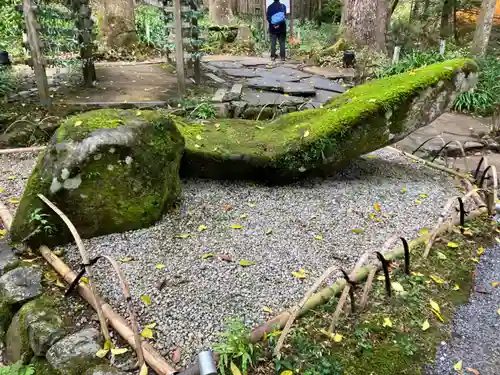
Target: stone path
(279,87)
(470,132)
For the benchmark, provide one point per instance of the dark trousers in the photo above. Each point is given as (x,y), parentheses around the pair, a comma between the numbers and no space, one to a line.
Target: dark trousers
(282,38)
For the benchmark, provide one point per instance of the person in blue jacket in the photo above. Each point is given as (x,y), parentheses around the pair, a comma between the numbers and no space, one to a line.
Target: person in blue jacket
(276,16)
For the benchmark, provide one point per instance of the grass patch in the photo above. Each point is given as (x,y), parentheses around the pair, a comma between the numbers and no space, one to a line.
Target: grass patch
(391,336)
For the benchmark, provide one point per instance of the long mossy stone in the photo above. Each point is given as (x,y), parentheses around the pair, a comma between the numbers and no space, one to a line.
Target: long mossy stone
(108,170)
(363,119)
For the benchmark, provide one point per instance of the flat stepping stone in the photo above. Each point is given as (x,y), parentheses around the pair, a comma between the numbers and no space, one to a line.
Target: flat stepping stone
(215,78)
(324,84)
(219,96)
(266,73)
(289,99)
(242,73)
(264,84)
(280,70)
(300,89)
(225,64)
(234,93)
(254,62)
(254,98)
(323,96)
(331,73)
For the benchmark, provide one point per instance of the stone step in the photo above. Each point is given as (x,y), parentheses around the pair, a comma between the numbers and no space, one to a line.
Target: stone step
(215,78)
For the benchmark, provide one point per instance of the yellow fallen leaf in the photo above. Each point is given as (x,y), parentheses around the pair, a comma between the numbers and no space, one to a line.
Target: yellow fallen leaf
(101,353)
(494,284)
(146,300)
(403,190)
(150,325)
(3,232)
(202,227)
(436,279)
(423,231)
(119,351)
(423,196)
(147,333)
(475,260)
(498,311)
(357,230)
(371,156)
(236,226)
(78,123)
(440,255)
(397,287)
(376,207)
(387,322)
(480,251)
(13,200)
(301,274)
(144,369)
(12,177)
(287,372)
(438,314)
(497,239)
(207,255)
(417,202)
(244,216)
(234,369)
(267,310)
(268,231)
(381,278)
(125,259)
(182,236)
(84,280)
(246,263)
(108,344)
(458,366)
(306,134)
(138,113)
(338,337)
(418,274)
(2,189)
(251,205)
(457,287)
(435,306)
(160,266)
(452,245)
(318,237)
(425,325)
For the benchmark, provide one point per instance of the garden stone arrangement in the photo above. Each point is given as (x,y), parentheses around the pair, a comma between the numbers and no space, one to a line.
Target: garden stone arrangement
(256,90)
(228,248)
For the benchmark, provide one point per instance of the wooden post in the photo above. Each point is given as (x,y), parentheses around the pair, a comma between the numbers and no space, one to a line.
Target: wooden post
(264,16)
(395,56)
(196,48)
(34,42)
(442,47)
(179,48)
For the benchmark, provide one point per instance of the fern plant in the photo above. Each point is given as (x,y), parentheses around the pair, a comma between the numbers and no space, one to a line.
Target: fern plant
(17,369)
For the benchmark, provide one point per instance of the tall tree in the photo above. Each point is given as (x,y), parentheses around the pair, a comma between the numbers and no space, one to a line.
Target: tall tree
(365,22)
(118,24)
(220,12)
(483,28)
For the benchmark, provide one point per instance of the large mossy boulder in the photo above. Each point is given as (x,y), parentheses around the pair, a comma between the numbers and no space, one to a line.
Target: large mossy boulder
(364,119)
(108,170)
(34,329)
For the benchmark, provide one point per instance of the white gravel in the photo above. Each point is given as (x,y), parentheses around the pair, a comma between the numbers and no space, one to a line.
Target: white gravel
(201,293)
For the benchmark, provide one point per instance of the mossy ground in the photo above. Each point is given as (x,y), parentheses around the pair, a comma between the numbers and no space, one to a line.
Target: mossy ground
(369,347)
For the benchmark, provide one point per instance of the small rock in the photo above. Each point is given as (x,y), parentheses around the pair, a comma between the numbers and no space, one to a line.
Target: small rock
(8,260)
(104,370)
(34,329)
(238,108)
(75,353)
(21,285)
(222,110)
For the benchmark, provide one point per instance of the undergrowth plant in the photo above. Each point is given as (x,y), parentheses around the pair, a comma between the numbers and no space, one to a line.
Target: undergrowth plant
(17,369)
(203,111)
(40,222)
(235,348)
(9,82)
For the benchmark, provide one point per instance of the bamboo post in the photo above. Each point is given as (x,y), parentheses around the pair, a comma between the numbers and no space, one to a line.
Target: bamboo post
(395,55)
(21,150)
(32,29)
(179,48)
(151,356)
(85,260)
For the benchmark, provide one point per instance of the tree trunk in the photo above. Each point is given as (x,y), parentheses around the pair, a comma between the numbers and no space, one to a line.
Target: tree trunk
(366,23)
(483,28)
(220,12)
(445,29)
(118,25)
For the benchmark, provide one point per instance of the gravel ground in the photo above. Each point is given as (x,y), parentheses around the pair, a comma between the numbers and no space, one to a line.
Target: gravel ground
(311,224)
(475,337)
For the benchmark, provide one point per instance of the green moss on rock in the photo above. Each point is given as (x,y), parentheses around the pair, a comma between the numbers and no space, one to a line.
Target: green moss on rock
(108,170)
(366,118)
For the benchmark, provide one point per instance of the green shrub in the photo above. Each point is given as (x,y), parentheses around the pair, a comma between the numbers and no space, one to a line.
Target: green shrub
(9,82)
(150,25)
(17,369)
